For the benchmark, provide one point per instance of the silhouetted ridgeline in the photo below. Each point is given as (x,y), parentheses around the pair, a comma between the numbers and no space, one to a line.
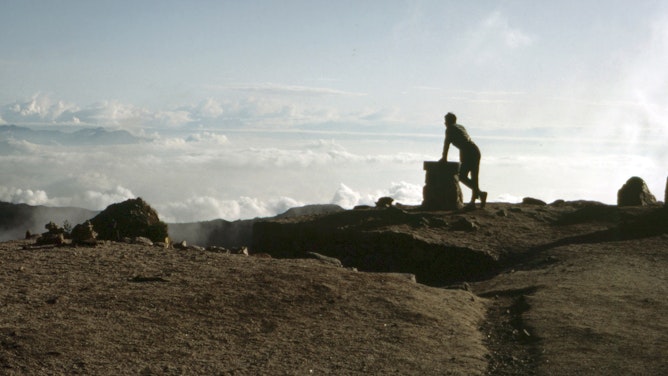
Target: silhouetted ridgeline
(16,219)
(239,233)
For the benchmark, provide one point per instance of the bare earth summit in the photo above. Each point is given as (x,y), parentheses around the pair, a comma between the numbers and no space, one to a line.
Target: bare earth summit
(567,299)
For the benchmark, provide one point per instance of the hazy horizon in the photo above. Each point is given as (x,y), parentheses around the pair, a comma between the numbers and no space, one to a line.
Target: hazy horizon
(244,109)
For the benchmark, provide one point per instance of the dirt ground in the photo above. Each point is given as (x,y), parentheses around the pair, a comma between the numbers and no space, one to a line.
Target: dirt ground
(122,309)
(590,309)
(570,298)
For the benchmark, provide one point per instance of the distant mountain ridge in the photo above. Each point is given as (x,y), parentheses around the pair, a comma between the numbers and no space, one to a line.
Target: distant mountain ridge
(16,219)
(83,136)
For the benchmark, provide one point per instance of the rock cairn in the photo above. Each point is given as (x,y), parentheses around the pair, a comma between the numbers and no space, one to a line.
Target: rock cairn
(84,234)
(442,191)
(55,235)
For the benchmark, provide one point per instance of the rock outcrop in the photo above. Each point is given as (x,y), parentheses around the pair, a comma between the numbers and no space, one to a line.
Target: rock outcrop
(441,190)
(129,219)
(84,234)
(378,241)
(635,193)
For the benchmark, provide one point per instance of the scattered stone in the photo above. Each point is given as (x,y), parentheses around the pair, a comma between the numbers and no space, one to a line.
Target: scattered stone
(501,213)
(142,241)
(131,218)
(515,209)
(84,234)
(384,202)
(240,251)
(182,245)
(460,286)
(217,249)
(325,259)
(261,255)
(54,236)
(533,201)
(464,224)
(143,279)
(409,276)
(635,193)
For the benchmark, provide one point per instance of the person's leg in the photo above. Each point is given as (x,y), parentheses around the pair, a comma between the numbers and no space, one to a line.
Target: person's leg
(464,171)
(475,183)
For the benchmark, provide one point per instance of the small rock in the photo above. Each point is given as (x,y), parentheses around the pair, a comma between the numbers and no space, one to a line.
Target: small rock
(464,224)
(325,259)
(142,240)
(217,249)
(533,201)
(384,202)
(181,245)
(240,251)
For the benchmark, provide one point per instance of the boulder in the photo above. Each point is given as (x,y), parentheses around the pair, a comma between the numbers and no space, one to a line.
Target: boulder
(533,201)
(84,233)
(132,218)
(635,193)
(384,202)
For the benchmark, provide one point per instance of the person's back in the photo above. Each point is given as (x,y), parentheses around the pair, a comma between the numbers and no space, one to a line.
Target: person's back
(457,135)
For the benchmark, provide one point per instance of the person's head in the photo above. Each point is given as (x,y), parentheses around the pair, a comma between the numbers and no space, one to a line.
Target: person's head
(450,119)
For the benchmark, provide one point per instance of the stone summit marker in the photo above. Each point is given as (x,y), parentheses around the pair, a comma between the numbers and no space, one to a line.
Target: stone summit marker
(442,191)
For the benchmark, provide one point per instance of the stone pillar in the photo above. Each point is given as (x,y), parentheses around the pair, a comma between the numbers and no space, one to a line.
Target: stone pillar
(442,191)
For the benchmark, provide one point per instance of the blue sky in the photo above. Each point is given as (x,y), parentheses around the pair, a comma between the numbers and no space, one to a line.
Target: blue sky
(566,99)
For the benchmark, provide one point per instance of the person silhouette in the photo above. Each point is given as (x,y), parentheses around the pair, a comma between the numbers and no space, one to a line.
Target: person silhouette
(469,157)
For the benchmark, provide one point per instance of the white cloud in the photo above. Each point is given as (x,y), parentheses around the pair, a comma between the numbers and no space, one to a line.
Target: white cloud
(284,89)
(173,118)
(209,108)
(23,196)
(11,146)
(207,208)
(40,108)
(493,38)
(208,137)
(496,25)
(345,197)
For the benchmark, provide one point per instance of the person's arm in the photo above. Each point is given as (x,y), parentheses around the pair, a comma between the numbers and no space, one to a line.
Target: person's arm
(446,147)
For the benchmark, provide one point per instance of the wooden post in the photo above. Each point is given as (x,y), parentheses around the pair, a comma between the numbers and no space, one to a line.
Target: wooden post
(442,191)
